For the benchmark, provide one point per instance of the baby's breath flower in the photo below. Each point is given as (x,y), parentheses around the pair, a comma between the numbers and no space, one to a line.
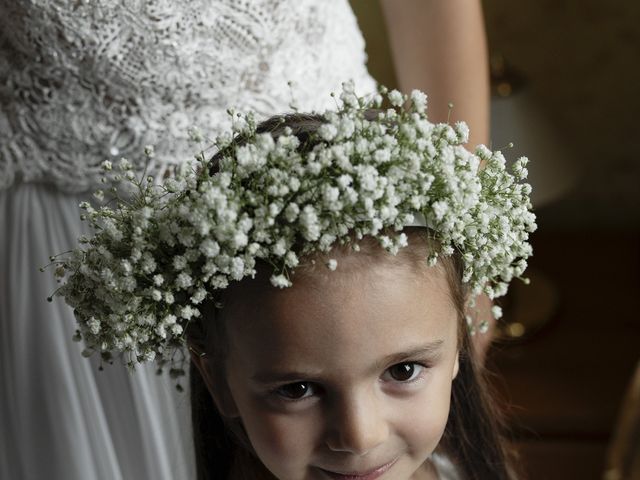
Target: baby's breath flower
(195,134)
(280,281)
(219,282)
(209,248)
(344,181)
(403,240)
(440,209)
(291,259)
(279,248)
(169,319)
(149,151)
(148,264)
(59,271)
(188,312)
(153,259)
(328,132)
(161,331)
(462,132)
(199,295)
(124,165)
(396,98)
(94,325)
(179,262)
(291,212)
(149,356)
(309,223)
(382,156)
(237,268)
(107,166)
(483,327)
(419,100)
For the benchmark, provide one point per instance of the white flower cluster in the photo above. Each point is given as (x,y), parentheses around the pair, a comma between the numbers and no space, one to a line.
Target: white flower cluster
(158,255)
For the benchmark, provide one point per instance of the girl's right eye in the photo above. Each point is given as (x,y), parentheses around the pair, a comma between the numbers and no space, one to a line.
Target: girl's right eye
(294,391)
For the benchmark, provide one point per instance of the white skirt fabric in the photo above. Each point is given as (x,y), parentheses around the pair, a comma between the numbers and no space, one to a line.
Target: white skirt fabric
(60,417)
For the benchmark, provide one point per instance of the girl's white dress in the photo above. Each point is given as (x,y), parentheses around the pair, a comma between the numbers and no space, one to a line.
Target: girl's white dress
(445,468)
(85,81)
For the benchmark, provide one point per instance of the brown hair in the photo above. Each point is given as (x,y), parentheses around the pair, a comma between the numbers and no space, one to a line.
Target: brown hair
(474,436)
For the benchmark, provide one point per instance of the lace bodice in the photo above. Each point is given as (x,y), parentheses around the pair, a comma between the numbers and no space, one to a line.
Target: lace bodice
(82,81)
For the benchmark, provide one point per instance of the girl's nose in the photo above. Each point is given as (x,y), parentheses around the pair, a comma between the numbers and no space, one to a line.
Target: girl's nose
(356,426)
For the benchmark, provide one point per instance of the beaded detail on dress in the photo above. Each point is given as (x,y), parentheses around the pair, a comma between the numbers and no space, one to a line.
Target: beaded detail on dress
(85,81)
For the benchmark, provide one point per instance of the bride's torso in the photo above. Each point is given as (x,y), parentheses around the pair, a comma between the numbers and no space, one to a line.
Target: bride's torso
(84,81)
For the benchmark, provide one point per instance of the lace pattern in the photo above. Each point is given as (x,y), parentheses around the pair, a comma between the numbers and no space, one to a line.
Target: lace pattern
(84,81)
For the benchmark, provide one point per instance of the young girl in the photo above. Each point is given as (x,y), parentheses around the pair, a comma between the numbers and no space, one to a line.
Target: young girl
(323,268)
(348,374)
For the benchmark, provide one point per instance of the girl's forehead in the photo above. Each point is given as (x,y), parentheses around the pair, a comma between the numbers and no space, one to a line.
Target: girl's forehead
(383,306)
(350,276)
(371,267)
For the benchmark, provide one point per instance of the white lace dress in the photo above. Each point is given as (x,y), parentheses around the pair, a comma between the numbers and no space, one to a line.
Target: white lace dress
(83,81)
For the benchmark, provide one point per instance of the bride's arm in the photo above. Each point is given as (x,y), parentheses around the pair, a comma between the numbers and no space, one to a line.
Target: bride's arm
(439,46)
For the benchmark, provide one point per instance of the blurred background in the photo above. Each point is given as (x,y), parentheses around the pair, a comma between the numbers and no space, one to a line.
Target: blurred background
(565,83)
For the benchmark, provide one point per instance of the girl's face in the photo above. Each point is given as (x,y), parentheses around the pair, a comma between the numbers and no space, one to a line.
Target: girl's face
(345,373)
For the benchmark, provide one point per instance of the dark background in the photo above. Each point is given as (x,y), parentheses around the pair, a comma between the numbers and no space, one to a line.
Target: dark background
(562,384)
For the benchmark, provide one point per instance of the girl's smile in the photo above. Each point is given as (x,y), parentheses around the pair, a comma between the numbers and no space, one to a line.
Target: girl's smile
(370,474)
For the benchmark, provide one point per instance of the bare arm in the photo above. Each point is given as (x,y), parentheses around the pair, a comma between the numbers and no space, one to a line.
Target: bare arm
(439,46)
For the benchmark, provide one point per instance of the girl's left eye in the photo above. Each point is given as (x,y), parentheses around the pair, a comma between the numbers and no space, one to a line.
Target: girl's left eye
(405,372)
(295,391)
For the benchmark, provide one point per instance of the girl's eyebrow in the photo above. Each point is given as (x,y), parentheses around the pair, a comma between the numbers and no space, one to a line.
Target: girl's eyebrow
(431,349)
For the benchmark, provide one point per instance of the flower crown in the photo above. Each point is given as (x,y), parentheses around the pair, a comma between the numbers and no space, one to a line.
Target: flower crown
(160,252)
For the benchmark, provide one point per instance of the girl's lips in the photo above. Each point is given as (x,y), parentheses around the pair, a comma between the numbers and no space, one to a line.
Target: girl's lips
(366,475)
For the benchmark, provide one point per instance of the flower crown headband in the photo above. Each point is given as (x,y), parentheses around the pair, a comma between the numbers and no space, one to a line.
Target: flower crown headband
(156,256)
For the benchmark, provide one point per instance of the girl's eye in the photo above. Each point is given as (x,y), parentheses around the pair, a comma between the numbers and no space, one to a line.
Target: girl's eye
(294,391)
(406,372)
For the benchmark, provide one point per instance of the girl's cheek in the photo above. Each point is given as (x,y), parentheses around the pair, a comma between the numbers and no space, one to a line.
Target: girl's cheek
(284,438)
(424,426)
(426,429)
